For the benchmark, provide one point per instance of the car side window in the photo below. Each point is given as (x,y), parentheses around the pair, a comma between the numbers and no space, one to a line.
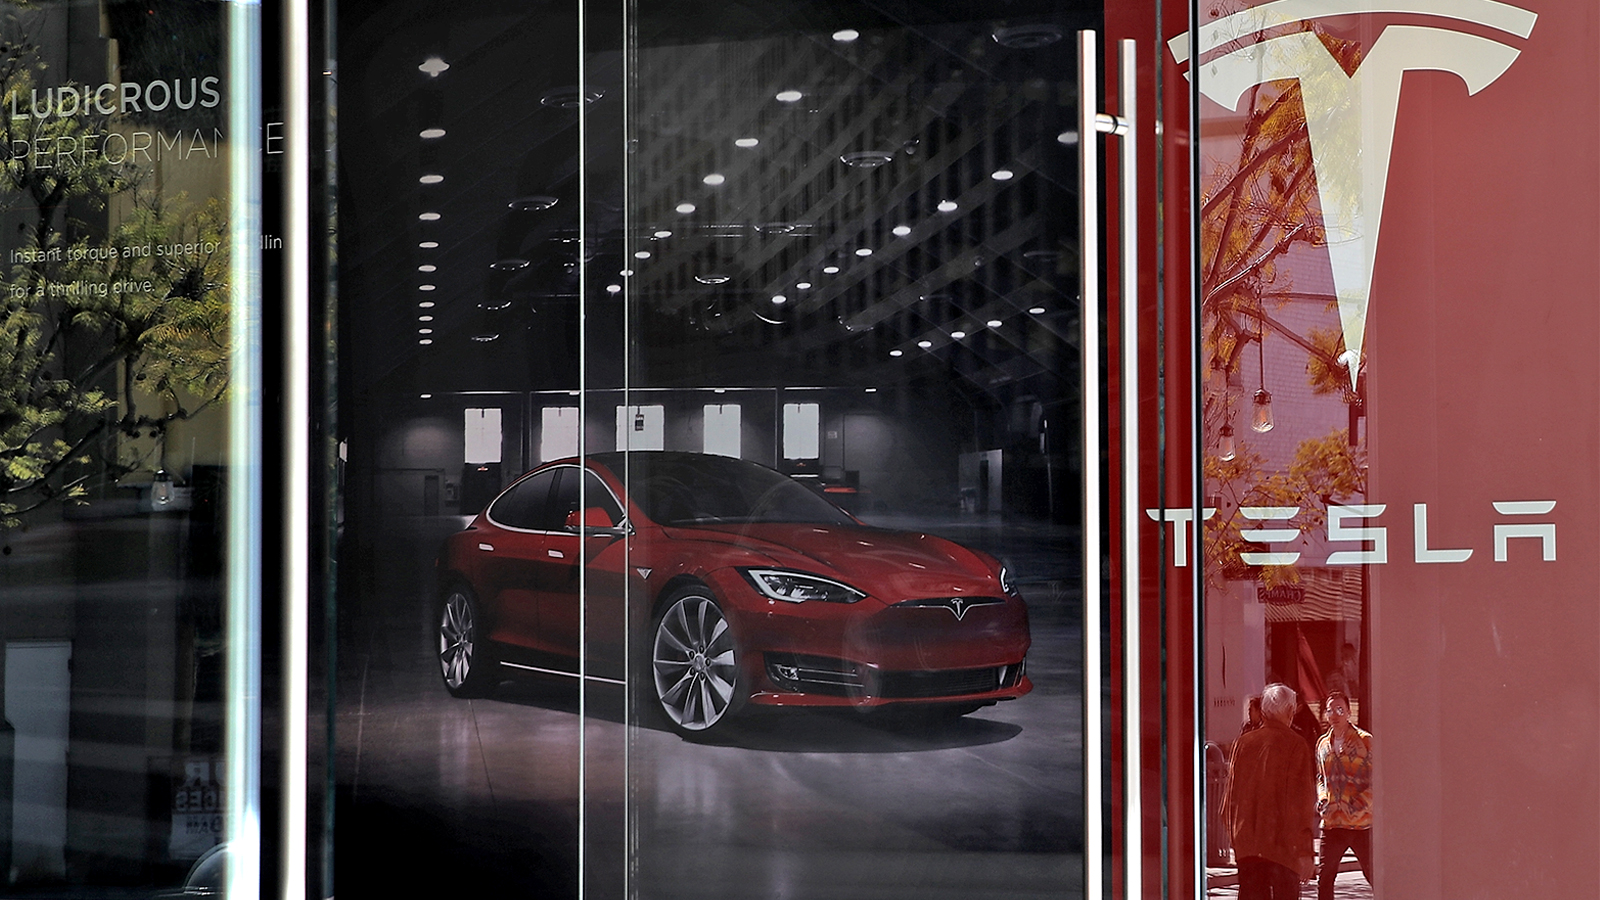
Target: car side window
(527,504)
(596,494)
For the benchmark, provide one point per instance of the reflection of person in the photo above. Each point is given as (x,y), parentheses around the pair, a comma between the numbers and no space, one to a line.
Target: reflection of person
(1252,715)
(1344,677)
(1271,801)
(1344,794)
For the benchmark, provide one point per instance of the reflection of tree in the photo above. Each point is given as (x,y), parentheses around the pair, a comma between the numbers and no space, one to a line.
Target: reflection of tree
(68,338)
(1324,470)
(1256,209)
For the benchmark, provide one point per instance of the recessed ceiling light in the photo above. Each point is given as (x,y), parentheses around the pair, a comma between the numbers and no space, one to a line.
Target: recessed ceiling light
(427,287)
(863,251)
(902,230)
(685,208)
(570,97)
(509,264)
(424,331)
(947,206)
(897,353)
(830,270)
(1037,311)
(431,179)
(1027,37)
(994,323)
(429,217)
(424,318)
(425,341)
(712,278)
(426,396)
(846,35)
(789,96)
(779,299)
(429,134)
(426,304)
(1070,138)
(428,245)
(872,390)
(613,288)
(427,268)
(533,203)
(1003,175)
(958,335)
(867,159)
(924,344)
(626,273)
(433,65)
(746,142)
(663,233)
(714,179)
(804,285)
(642,254)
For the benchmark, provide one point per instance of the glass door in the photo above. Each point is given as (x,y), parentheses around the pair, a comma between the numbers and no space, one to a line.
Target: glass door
(1396,445)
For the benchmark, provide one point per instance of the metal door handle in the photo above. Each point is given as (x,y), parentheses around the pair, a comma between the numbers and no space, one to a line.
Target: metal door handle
(1090,123)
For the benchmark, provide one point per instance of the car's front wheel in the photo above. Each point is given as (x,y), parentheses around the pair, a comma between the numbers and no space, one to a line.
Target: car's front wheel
(465,661)
(694,663)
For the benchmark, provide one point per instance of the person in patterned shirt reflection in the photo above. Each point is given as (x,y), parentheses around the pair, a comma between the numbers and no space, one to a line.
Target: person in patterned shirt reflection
(1344,793)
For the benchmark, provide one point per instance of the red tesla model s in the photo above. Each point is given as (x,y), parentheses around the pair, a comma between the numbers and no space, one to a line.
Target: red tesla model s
(721,583)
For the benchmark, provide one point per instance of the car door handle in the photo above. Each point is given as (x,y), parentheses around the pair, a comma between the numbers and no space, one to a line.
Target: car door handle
(488,547)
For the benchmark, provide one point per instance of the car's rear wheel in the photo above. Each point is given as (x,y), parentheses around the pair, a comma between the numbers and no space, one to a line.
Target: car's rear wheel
(465,660)
(694,663)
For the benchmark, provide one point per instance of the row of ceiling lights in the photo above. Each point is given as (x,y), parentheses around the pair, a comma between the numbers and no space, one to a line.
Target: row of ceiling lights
(434,66)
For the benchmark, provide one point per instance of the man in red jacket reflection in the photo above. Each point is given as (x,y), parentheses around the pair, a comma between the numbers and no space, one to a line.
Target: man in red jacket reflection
(1271,802)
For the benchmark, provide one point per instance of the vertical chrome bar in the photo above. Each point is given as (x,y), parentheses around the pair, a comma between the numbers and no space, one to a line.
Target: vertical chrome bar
(242,715)
(583,447)
(1133,737)
(1089,353)
(297,449)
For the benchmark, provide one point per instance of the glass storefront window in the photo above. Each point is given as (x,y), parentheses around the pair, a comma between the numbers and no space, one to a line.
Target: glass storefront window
(131,370)
(798,287)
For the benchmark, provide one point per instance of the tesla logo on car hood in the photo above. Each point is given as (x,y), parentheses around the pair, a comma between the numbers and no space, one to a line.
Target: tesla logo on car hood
(957,606)
(1351,117)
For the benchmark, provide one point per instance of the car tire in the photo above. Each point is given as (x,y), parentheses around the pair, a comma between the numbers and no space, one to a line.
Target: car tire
(466,663)
(693,664)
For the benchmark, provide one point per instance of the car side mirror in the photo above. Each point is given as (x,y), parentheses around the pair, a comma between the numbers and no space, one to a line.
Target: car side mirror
(596,521)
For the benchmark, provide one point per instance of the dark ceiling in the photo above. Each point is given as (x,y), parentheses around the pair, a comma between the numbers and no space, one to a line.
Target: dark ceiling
(951,122)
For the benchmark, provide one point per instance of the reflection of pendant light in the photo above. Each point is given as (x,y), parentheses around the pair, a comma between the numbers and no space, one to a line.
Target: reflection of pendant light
(161,488)
(1225,448)
(1261,410)
(638,420)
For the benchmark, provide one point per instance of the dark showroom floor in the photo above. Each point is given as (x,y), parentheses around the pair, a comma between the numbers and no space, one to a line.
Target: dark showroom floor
(480,798)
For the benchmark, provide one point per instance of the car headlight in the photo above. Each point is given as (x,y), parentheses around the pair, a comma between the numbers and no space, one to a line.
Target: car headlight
(1007,583)
(797,587)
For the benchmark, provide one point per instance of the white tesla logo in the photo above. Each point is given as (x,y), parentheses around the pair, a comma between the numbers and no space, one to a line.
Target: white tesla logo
(1350,118)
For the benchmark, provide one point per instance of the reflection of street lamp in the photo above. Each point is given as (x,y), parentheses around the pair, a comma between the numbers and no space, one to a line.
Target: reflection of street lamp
(1225,448)
(1261,411)
(161,488)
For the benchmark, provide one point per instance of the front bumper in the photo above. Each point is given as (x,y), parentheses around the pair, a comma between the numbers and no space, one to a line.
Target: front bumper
(874,653)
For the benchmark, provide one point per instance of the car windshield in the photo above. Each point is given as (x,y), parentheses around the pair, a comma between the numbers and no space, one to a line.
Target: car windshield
(697,489)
